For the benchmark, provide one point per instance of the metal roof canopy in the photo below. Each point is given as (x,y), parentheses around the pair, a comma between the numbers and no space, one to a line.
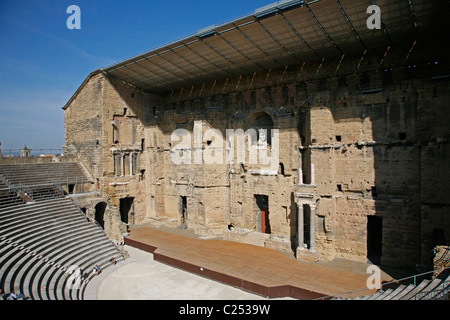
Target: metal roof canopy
(281,34)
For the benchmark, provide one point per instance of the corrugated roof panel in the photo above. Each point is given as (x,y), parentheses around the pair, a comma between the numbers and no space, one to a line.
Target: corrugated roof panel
(310,31)
(338,29)
(268,49)
(281,38)
(357,14)
(397,18)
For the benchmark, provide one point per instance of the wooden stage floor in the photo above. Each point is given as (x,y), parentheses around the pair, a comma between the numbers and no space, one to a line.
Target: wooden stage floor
(259,270)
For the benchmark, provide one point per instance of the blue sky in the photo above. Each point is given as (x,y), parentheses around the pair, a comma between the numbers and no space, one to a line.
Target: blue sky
(42,62)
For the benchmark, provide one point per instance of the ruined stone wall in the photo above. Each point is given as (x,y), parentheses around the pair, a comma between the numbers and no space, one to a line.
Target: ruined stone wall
(378,163)
(360,136)
(83,126)
(223,194)
(126,149)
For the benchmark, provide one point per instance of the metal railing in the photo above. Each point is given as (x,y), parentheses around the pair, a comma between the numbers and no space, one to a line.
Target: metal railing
(440,292)
(21,189)
(31,192)
(58,187)
(77,181)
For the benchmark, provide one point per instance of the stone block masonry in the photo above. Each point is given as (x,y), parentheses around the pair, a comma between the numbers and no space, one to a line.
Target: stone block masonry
(363,156)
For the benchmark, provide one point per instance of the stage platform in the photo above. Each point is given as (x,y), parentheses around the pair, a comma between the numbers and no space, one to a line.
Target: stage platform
(263,271)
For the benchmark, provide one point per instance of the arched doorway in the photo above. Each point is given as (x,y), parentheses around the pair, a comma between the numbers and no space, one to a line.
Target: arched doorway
(262,120)
(100,213)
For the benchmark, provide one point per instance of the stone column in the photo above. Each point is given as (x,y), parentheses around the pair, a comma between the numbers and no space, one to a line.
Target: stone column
(312,227)
(131,164)
(117,164)
(300,232)
(122,165)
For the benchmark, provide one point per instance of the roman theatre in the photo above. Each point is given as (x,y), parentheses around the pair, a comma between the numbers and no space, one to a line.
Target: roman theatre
(352,116)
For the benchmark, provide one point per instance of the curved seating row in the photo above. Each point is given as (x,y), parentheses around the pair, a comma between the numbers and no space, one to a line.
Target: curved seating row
(20,183)
(9,199)
(44,245)
(426,290)
(43,173)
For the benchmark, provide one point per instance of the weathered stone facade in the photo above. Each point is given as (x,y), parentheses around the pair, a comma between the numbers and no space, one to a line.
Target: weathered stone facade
(363,156)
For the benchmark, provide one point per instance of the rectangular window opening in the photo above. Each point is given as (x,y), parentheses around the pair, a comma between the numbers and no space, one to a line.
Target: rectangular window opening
(402,135)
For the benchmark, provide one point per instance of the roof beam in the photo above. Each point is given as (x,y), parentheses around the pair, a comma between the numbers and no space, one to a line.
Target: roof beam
(131,67)
(413,13)
(221,55)
(188,62)
(256,46)
(322,28)
(350,23)
(278,41)
(132,79)
(155,73)
(243,54)
(299,35)
(383,25)
(187,73)
(208,61)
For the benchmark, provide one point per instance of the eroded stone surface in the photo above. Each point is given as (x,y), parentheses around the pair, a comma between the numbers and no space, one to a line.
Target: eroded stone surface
(344,152)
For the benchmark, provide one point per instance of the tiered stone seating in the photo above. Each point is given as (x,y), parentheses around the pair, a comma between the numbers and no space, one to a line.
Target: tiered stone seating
(39,242)
(425,290)
(3,185)
(7,197)
(40,193)
(38,181)
(43,173)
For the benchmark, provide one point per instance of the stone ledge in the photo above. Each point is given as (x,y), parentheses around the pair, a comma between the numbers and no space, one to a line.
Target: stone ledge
(306,255)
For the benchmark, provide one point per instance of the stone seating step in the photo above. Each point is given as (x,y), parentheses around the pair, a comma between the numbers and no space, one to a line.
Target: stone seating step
(39,242)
